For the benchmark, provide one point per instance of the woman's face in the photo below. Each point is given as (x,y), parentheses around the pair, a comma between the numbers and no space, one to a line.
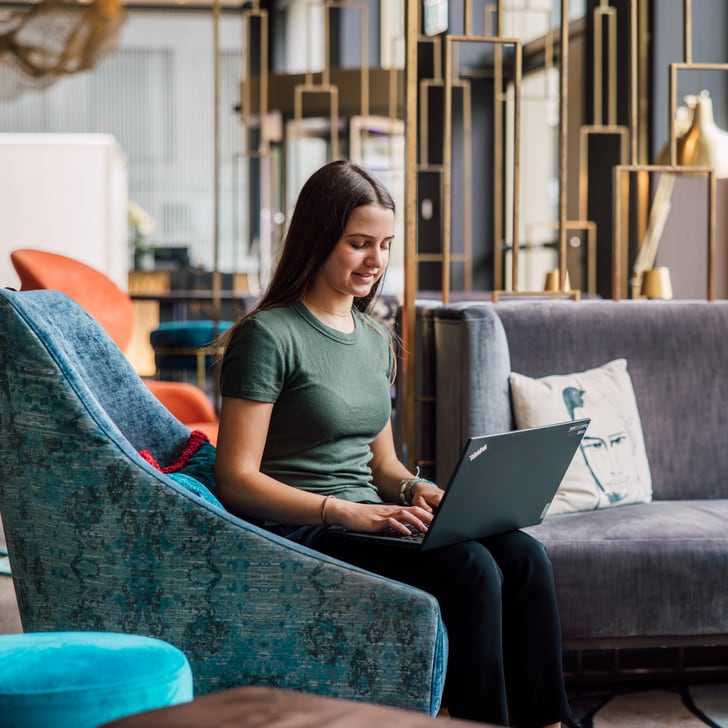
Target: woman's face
(361,256)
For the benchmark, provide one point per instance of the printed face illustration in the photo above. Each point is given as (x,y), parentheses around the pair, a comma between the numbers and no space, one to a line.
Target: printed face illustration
(607,456)
(607,448)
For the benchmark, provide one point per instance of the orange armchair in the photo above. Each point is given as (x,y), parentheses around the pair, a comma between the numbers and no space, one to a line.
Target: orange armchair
(112,308)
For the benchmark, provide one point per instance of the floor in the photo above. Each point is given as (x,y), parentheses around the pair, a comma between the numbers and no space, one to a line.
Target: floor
(694,705)
(688,703)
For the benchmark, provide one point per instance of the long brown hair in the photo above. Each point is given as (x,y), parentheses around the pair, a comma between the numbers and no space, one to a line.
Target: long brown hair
(325,203)
(319,218)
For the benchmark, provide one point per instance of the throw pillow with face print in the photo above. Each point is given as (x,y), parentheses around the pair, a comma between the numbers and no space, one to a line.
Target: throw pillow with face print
(611,467)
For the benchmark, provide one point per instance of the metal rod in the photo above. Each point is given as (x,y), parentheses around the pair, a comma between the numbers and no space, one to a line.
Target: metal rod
(617,232)
(711,235)
(563,138)
(633,84)
(447,172)
(498,167)
(409,364)
(518,56)
(216,285)
(688,30)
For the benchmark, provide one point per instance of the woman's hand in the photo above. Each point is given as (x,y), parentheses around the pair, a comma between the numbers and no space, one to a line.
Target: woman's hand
(375,517)
(426,495)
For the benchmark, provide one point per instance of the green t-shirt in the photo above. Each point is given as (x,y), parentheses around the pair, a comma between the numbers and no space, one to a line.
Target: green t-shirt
(331,395)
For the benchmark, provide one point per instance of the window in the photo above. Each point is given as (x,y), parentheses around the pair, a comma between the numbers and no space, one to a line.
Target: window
(155,94)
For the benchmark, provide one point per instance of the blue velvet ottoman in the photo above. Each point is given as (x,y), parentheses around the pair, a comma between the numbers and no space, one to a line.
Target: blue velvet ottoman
(186,345)
(84,679)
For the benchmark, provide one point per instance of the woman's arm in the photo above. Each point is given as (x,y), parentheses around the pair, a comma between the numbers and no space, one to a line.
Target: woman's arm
(389,473)
(241,486)
(245,490)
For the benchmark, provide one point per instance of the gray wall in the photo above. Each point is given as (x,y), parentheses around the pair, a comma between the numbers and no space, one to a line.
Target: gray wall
(683,248)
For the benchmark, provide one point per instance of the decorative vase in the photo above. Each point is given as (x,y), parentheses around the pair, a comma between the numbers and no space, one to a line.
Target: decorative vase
(704,144)
(144,260)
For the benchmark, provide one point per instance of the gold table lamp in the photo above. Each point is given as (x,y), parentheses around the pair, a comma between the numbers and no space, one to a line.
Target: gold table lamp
(701,144)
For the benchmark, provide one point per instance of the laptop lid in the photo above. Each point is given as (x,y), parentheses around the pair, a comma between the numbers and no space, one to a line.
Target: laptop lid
(502,482)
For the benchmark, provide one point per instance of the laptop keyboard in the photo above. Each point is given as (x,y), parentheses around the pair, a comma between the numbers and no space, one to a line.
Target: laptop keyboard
(414,535)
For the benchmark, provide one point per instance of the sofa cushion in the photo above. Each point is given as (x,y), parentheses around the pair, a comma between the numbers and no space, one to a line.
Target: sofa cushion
(649,569)
(611,467)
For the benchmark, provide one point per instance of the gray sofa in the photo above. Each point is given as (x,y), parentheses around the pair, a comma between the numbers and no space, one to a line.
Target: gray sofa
(643,574)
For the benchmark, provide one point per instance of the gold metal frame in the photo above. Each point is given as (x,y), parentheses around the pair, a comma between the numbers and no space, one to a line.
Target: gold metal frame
(246,87)
(310,87)
(450,44)
(563,222)
(602,11)
(584,225)
(675,68)
(621,200)
(412,26)
(584,133)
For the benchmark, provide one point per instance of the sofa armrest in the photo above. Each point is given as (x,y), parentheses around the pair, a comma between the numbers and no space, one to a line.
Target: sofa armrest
(472,365)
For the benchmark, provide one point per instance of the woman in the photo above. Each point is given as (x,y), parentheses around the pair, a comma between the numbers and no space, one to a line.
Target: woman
(305,442)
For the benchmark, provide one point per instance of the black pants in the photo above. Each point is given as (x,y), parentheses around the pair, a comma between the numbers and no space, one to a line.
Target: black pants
(498,603)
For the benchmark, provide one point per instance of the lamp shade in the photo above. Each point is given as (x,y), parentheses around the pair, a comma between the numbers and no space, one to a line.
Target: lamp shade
(704,144)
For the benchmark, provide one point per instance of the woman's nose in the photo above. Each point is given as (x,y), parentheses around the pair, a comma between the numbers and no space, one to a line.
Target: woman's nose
(376,257)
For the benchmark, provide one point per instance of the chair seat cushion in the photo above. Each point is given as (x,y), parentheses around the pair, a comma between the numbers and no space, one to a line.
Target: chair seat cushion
(82,679)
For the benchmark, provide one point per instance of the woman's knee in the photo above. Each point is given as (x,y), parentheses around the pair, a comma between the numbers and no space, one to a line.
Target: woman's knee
(522,556)
(470,571)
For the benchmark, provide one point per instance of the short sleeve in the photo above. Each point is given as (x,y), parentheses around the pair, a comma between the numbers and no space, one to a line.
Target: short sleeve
(253,366)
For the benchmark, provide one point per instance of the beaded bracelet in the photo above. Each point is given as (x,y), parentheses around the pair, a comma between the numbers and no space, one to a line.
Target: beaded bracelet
(411,485)
(407,484)
(324,503)
(403,486)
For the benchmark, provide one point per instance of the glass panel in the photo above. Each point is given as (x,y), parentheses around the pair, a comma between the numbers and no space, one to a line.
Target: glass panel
(155,95)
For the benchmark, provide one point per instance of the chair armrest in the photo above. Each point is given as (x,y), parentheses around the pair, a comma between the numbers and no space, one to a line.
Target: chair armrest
(246,606)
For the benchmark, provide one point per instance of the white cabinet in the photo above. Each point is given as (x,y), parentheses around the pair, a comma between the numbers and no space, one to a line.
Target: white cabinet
(64,193)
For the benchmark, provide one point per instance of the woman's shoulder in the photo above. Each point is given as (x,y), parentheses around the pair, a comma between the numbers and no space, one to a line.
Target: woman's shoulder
(270,318)
(269,324)
(374,324)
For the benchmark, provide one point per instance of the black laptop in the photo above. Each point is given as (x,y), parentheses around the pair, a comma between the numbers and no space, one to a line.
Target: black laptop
(503,482)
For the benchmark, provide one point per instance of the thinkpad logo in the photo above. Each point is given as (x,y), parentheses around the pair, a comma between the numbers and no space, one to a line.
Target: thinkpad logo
(478,452)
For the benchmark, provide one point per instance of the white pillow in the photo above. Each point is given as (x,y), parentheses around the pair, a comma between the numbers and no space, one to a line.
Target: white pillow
(611,466)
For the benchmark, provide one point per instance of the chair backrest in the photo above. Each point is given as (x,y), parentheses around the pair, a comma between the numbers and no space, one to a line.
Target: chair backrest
(47,331)
(90,288)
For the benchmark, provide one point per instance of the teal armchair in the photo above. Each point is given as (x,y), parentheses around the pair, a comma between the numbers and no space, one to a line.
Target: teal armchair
(99,539)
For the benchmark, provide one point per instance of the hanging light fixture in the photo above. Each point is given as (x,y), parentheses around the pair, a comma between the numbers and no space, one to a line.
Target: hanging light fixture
(43,41)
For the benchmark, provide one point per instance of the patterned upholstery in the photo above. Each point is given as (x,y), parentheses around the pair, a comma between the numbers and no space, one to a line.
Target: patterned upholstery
(100,540)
